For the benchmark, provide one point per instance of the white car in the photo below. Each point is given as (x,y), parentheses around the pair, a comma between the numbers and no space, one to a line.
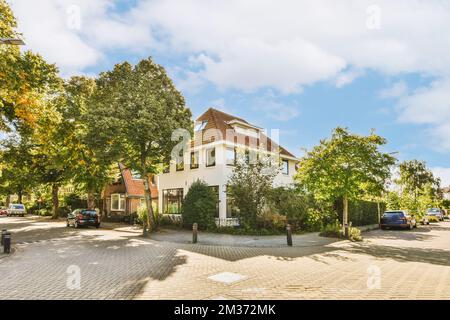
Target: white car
(436,212)
(16,209)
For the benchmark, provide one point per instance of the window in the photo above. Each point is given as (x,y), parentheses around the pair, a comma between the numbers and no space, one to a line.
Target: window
(135,175)
(200,126)
(194,159)
(172,200)
(180,161)
(117,202)
(285,166)
(210,157)
(231,156)
(215,190)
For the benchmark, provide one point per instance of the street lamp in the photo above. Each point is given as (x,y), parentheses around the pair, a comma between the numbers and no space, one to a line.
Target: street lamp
(12,41)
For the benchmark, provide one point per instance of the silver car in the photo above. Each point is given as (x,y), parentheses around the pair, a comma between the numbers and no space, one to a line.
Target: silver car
(16,209)
(436,212)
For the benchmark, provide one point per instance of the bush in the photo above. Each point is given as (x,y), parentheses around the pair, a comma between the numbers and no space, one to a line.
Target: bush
(334,230)
(433,219)
(199,206)
(361,212)
(43,212)
(142,214)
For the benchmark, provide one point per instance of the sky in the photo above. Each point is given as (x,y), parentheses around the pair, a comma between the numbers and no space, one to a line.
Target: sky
(303,67)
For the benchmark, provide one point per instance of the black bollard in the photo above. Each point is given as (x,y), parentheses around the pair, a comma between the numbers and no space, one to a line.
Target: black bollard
(7,243)
(3,233)
(289,235)
(194,232)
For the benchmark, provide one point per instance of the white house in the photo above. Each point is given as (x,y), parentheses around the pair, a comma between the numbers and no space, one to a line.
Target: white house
(211,155)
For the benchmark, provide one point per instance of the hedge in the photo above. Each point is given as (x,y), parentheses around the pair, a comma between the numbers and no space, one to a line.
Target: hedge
(361,212)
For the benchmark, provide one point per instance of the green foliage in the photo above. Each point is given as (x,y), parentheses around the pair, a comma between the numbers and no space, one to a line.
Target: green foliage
(446,203)
(199,206)
(433,219)
(334,230)
(133,114)
(362,212)
(347,165)
(250,187)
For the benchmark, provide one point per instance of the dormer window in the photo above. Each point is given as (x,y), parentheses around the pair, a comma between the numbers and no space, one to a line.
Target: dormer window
(200,126)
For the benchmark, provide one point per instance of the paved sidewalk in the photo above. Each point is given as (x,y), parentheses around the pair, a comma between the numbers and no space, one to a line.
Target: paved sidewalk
(228,240)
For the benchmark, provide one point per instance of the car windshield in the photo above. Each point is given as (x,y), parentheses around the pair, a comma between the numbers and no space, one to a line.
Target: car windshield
(434,210)
(393,214)
(17,206)
(89,212)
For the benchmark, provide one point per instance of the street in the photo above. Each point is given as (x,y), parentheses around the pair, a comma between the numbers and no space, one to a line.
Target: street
(119,264)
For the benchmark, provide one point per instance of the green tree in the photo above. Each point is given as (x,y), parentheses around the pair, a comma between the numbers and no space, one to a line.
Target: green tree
(26,80)
(347,166)
(250,186)
(133,114)
(199,206)
(418,185)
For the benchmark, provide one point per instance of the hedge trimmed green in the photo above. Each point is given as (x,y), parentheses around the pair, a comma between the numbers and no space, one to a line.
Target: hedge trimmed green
(199,206)
(361,213)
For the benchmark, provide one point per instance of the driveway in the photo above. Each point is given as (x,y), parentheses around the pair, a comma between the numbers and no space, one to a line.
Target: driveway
(55,262)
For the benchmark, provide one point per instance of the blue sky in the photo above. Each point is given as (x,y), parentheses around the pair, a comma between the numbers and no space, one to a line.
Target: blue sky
(303,67)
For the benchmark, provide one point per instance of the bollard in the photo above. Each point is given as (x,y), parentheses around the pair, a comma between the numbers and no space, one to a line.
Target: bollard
(3,233)
(289,235)
(194,232)
(7,242)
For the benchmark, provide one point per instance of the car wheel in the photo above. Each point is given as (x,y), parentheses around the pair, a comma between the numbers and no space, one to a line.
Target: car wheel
(75,225)
(97,225)
(67,224)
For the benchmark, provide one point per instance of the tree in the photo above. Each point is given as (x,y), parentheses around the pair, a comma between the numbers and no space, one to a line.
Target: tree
(250,187)
(199,206)
(133,114)
(16,175)
(347,166)
(416,181)
(26,80)
(90,168)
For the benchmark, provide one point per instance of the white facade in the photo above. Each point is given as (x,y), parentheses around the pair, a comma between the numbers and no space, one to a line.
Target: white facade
(215,175)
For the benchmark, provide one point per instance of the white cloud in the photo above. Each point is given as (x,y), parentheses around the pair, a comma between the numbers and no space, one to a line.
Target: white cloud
(398,89)
(250,44)
(348,77)
(429,106)
(443,173)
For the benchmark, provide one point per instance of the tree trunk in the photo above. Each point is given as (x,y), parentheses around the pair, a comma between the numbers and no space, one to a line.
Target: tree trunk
(345,216)
(90,200)
(151,223)
(8,200)
(19,195)
(55,200)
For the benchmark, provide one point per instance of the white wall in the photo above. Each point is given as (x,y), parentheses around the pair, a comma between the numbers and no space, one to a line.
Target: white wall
(217,175)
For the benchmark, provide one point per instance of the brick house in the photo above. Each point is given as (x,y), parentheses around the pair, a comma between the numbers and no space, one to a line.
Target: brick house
(125,194)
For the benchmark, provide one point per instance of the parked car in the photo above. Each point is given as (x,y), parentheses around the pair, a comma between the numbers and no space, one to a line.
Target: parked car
(16,209)
(83,217)
(436,212)
(3,211)
(398,219)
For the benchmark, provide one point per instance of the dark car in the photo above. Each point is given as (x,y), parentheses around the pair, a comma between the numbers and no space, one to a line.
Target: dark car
(398,219)
(83,217)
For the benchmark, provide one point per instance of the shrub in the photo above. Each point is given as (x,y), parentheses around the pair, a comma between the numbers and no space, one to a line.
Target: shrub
(433,219)
(199,206)
(361,212)
(44,212)
(142,213)
(271,219)
(334,230)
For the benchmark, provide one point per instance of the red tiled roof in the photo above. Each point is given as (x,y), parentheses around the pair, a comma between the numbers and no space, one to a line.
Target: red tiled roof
(220,120)
(135,187)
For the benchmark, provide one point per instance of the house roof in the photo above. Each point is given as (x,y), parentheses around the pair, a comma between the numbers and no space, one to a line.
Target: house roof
(222,121)
(135,187)
(446,190)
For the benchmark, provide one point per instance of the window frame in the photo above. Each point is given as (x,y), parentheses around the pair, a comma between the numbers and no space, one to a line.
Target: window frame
(180,197)
(197,165)
(283,161)
(121,197)
(208,165)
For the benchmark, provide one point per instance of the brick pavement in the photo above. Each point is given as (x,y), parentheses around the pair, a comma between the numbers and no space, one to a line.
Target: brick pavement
(121,265)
